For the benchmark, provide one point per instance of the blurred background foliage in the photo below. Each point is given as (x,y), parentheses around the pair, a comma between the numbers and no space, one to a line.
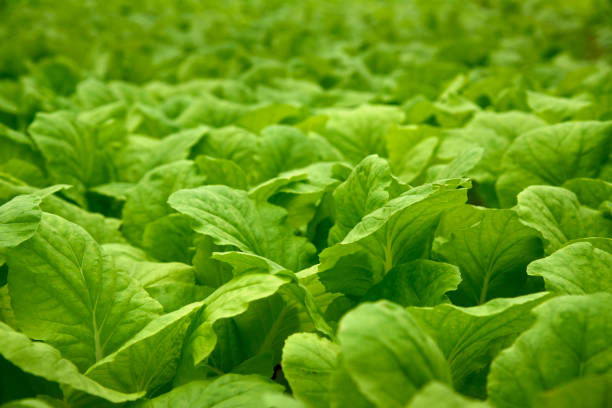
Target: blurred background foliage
(384,51)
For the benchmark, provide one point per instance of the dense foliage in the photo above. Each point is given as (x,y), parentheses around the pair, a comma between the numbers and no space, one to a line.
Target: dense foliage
(306,203)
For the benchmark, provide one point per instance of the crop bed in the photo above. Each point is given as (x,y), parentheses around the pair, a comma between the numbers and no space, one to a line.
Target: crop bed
(306,204)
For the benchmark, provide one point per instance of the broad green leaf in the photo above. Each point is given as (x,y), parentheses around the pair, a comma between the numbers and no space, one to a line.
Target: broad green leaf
(492,249)
(470,337)
(39,402)
(461,146)
(212,111)
(174,295)
(509,125)
(170,238)
(589,392)
(230,390)
(387,354)
(19,218)
(259,118)
(576,269)
(221,171)
(229,300)
(283,148)
(590,192)
(142,154)
(149,359)
(92,93)
(102,229)
(243,262)
(252,341)
(460,166)
(308,364)
(399,231)
(411,148)
(19,157)
(149,120)
(344,391)
(559,217)
(440,395)
(231,143)
(43,360)
(365,190)
(553,155)
(452,110)
(360,132)
(312,180)
(155,273)
(72,152)
(118,190)
(556,109)
(146,202)
(64,291)
(231,218)
(417,283)
(571,339)
(209,271)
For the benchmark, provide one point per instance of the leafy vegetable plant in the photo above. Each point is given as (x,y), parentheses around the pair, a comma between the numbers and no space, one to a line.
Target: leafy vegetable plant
(306,204)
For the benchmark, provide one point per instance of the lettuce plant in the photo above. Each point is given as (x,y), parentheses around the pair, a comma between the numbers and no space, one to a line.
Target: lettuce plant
(306,204)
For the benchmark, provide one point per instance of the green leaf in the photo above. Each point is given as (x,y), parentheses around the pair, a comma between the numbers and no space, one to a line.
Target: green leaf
(556,109)
(470,337)
(283,148)
(559,217)
(170,238)
(553,155)
(571,339)
(309,182)
(142,154)
(71,151)
(259,118)
(344,391)
(231,143)
(43,360)
(399,231)
(231,218)
(308,364)
(39,402)
(452,110)
(19,218)
(102,229)
(211,111)
(221,171)
(590,392)
(509,125)
(411,148)
(229,300)
(463,145)
(492,249)
(590,192)
(230,390)
(460,166)
(387,354)
(360,132)
(417,283)
(255,338)
(65,292)
(365,190)
(147,201)
(149,120)
(576,269)
(148,359)
(440,395)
